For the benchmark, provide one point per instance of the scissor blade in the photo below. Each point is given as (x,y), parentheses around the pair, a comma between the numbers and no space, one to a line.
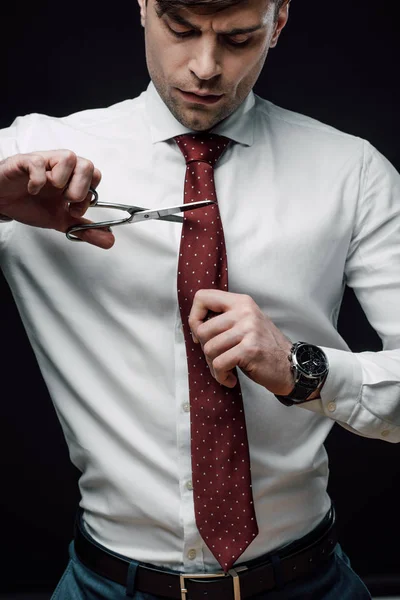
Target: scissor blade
(194,205)
(162,213)
(173,210)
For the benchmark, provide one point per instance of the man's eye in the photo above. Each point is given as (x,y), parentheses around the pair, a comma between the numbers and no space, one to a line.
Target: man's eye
(180,34)
(238,40)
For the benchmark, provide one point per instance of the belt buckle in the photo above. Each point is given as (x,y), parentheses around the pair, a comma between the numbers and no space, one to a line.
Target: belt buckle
(234,573)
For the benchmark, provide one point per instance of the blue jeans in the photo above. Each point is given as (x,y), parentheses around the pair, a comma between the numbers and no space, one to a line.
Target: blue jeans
(336,581)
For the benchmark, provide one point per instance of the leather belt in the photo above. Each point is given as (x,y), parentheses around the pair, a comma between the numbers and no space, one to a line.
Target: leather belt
(295,560)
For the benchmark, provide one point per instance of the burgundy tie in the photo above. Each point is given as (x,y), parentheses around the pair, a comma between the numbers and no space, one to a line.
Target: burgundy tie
(223,498)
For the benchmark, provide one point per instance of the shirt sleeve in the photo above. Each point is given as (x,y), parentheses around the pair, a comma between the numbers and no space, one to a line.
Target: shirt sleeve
(362,390)
(8,147)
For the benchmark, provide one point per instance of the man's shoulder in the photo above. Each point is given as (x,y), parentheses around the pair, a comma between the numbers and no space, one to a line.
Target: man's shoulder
(302,126)
(93,120)
(129,108)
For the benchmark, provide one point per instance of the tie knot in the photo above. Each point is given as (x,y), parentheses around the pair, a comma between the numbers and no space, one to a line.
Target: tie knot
(204,147)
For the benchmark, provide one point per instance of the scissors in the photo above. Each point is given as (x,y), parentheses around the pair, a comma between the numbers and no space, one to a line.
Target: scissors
(136,214)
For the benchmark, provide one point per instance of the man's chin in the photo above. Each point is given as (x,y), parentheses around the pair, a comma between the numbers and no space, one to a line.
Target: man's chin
(198,125)
(196,119)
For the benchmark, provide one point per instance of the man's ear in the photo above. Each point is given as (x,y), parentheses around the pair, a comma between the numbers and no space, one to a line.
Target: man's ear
(282,19)
(143,10)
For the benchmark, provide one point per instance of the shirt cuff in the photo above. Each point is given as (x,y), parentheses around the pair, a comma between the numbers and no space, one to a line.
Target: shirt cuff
(342,388)
(341,399)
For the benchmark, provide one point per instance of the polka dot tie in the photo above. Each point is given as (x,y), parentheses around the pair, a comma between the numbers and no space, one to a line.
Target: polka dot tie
(223,498)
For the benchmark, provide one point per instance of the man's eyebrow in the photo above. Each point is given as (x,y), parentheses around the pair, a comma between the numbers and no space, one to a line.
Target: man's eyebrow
(236,31)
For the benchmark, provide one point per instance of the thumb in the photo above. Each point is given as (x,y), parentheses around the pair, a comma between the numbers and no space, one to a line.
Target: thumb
(97,236)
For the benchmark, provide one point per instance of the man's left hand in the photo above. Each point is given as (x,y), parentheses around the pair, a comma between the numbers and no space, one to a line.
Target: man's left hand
(240,335)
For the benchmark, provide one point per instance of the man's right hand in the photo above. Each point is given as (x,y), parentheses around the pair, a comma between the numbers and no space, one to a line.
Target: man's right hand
(51,189)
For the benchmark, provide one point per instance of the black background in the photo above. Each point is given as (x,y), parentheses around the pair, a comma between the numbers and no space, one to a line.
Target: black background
(336,61)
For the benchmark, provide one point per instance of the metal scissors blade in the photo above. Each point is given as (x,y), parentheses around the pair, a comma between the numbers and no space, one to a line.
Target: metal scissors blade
(165,213)
(136,214)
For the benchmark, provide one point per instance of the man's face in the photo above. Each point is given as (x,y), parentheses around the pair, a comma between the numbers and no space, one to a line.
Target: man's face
(203,64)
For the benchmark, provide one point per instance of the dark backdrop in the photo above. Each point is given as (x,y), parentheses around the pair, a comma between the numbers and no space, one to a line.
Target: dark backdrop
(338,62)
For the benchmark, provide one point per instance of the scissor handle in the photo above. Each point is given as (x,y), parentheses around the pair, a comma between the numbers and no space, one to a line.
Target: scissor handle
(94,200)
(99,225)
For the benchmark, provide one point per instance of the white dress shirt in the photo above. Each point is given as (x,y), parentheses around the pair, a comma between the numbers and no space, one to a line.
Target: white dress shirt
(306,209)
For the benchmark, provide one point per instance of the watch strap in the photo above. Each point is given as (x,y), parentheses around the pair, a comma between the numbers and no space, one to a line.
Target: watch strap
(300,392)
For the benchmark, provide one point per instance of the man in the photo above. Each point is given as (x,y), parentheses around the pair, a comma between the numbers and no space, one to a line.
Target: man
(304,209)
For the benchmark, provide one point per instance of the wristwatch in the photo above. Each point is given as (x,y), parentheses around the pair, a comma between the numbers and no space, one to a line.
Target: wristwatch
(310,367)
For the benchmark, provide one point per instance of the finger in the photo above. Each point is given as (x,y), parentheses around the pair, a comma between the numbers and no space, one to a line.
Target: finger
(60,166)
(221,343)
(224,364)
(226,378)
(103,238)
(73,174)
(31,165)
(228,360)
(217,347)
(80,181)
(208,300)
(209,363)
(36,169)
(78,209)
(212,327)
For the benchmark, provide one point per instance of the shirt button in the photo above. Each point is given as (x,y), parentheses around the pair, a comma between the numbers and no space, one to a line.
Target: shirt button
(385,433)
(332,406)
(186,407)
(189,485)
(191,554)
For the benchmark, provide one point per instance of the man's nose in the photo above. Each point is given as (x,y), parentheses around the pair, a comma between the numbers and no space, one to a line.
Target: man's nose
(206,61)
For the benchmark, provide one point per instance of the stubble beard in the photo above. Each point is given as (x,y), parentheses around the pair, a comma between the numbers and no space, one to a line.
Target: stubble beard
(196,119)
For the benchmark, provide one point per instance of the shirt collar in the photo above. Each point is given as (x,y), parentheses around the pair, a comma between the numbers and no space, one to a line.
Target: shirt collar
(239,126)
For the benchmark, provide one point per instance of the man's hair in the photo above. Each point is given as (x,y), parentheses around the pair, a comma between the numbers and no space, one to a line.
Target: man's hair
(169,6)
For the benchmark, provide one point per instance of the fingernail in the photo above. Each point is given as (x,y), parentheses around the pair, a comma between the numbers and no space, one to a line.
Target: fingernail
(33,191)
(233,381)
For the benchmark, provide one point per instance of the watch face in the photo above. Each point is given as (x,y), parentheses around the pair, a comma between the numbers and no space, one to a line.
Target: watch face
(311,360)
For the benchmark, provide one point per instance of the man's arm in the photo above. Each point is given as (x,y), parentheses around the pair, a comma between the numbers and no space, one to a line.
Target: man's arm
(362,390)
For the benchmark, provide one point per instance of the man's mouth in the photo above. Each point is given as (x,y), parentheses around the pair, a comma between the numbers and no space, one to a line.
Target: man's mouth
(200,97)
